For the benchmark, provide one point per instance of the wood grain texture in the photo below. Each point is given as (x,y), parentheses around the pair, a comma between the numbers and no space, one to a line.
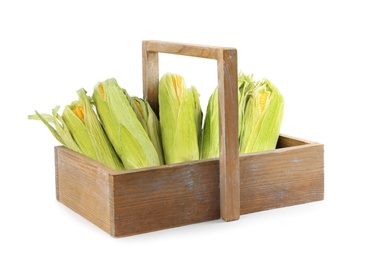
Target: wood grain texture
(150,70)
(194,50)
(283,177)
(228,109)
(83,185)
(166,197)
(228,130)
(125,203)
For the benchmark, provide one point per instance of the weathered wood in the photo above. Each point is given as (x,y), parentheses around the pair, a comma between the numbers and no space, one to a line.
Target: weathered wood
(150,70)
(125,203)
(194,50)
(228,109)
(166,197)
(228,129)
(83,185)
(283,177)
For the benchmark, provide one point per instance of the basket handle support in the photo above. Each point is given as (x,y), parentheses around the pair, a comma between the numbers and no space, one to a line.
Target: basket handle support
(228,109)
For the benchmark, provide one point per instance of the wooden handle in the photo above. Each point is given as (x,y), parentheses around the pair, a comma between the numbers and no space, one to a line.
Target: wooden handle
(228,109)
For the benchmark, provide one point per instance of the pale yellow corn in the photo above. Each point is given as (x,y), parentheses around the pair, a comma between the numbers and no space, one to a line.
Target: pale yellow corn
(150,123)
(180,119)
(124,130)
(210,136)
(79,129)
(260,112)
(88,133)
(262,118)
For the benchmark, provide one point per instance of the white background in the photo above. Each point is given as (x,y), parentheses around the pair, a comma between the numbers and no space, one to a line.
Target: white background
(320,54)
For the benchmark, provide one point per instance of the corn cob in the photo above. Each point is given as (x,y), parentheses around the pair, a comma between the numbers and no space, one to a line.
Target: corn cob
(246,86)
(126,133)
(180,119)
(210,136)
(86,129)
(81,131)
(262,118)
(150,123)
(258,129)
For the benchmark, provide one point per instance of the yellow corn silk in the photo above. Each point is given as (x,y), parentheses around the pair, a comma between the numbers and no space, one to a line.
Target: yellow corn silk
(88,132)
(150,123)
(126,133)
(180,119)
(262,117)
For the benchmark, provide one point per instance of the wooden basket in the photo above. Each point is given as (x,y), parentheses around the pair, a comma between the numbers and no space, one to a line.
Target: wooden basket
(125,203)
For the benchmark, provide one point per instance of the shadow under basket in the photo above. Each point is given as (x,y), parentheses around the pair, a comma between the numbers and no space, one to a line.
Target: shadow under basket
(125,203)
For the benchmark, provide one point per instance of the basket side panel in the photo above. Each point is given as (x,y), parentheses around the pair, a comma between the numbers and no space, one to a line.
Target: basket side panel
(283,177)
(166,197)
(83,187)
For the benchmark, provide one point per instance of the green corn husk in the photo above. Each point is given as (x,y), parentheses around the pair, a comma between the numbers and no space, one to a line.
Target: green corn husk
(58,128)
(150,123)
(122,126)
(262,118)
(210,136)
(80,130)
(198,114)
(88,133)
(258,130)
(246,86)
(180,119)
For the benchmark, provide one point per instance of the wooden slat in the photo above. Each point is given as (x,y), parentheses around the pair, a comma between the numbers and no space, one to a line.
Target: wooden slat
(150,65)
(228,129)
(194,50)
